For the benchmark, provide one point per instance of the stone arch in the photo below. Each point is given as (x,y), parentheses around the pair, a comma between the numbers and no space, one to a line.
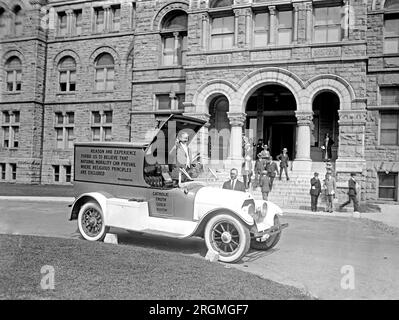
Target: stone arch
(65,53)
(178,5)
(104,49)
(210,90)
(333,83)
(13,53)
(253,81)
(4,6)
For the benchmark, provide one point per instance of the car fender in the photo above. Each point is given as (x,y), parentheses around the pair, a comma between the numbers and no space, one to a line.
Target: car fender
(272,211)
(100,198)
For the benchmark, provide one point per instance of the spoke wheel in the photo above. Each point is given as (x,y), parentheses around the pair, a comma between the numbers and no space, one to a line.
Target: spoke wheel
(228,237)
(91,222)
(268,242)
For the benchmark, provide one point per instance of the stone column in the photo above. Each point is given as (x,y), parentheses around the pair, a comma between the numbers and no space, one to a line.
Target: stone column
(309,22)
(346,19)
(236,21)
(237,121)
(205,24)
(272,31)
(177,45)
(70,21)
(295,26)
(201,144)
(248,29)
(302,160)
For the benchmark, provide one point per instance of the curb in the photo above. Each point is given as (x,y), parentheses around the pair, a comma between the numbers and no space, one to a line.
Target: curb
(324,214)
(38,199)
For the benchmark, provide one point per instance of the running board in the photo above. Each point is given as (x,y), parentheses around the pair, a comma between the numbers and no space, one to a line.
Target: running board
(163,233)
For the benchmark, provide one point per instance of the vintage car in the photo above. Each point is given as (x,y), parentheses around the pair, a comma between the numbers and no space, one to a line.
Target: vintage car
(134,186)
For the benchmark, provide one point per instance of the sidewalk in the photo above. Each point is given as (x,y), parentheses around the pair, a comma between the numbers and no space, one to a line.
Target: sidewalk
(389,214)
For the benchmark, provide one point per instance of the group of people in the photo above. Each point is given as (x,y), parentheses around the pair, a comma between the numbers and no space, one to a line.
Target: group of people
(329,187)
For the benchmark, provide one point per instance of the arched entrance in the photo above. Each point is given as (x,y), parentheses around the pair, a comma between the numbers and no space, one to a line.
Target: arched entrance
(325,120)
(219,129)
(271,116)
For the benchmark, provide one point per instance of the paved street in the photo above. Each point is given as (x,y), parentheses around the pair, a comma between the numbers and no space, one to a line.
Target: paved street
(310,255)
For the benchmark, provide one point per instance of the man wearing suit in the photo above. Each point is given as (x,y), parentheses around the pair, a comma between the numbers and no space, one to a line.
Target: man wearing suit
(315,190)
(284,162)
(234,183)
(183,157)
(272,170)
(352,193)
(330,186)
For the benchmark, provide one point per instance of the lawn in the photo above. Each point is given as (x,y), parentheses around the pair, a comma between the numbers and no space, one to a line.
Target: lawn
(86,270)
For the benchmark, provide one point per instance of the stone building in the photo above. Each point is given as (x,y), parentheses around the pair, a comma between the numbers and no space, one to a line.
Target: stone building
(285,71)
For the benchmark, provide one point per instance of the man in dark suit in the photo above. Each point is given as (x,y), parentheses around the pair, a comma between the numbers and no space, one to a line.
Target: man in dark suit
(272,171)
(234,183)
(315,190)
(284,163)
(352,193)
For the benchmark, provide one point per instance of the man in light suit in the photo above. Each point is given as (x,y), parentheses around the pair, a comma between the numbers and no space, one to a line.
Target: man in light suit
(234,183)
(183,157)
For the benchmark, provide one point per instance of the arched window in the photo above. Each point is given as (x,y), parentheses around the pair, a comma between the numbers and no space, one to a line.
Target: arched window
(14,74)
(105,72)
(174,38)
(18,20)
(221,3)
(391,4)
(391,28)
(3,22)
(67,74)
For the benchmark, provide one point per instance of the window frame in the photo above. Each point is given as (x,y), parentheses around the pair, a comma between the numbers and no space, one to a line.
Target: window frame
(62,28)
(103,126)
(326,25)
(68,72)
(16,85)
(106,70)
(97,10)
(394,187)
(390,113)
(264,30)
(64,128)
(213,35)
(10,130)
(390,16)
(279,28)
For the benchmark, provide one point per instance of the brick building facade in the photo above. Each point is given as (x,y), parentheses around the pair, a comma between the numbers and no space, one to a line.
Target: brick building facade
(286,71)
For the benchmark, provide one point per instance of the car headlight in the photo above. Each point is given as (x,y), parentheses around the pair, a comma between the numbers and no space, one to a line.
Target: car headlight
(249,208)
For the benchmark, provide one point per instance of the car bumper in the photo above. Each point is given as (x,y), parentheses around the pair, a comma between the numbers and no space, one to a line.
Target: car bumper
(271,231)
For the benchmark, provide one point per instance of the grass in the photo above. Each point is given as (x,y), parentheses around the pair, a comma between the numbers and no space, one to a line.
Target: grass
(87,270)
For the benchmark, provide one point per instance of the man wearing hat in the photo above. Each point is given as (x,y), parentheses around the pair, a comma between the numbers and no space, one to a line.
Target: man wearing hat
(352,193)
(284,161)
(271,168)
(315,190)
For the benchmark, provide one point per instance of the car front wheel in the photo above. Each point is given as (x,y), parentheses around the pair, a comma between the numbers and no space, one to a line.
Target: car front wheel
(91,222)
(228,237)
(268,242)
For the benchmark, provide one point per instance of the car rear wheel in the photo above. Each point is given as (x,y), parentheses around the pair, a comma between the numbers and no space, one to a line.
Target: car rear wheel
(91,222)
(269,242)
(228,237)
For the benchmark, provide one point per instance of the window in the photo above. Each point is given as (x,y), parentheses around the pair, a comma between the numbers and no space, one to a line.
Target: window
(170,101)
(3,22)
(101,125)
(78,22)
(387,186)
(116,18)
(14,74)
(13,167)
(174,39)
(390,96)
(2,171)
(56,172)
(99,14)
(389,127)
(67,74)
(62,24)
(391,4)
(105,72)
(391,34)
(222,33)
(64,130)
(221,3)
(284,31)
(327,26)
(10,129)
(68,173)
(261,29)
(18,21)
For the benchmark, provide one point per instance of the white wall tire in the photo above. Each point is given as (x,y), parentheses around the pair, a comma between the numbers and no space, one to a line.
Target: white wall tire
(91,222)
(228,237)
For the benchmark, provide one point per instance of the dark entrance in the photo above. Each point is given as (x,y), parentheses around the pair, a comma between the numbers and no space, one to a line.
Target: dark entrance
(271,117)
